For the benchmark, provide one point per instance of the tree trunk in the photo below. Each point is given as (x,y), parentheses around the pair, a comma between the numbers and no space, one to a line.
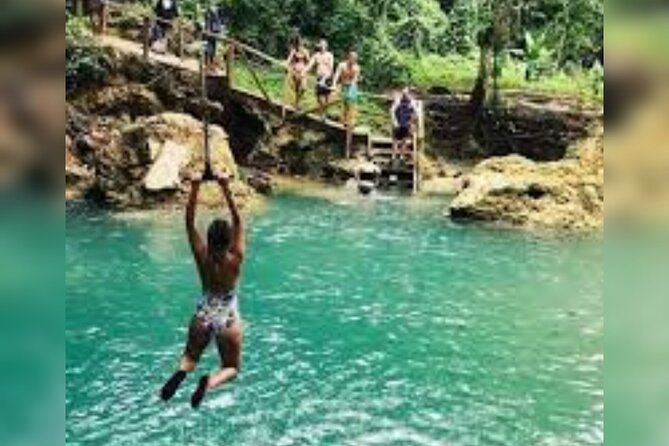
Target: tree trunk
(480,95)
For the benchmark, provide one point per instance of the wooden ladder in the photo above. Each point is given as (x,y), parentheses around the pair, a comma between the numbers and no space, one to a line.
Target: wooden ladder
(399,175)
(402,175)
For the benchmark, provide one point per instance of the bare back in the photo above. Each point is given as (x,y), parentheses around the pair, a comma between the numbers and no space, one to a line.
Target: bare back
(219,272)
(219,275)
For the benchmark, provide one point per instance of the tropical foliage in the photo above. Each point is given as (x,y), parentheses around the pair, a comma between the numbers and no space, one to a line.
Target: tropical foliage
(84,61)
(535,43)
(547,36)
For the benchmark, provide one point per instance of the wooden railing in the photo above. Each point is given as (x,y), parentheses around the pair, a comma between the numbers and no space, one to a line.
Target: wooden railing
(418,145)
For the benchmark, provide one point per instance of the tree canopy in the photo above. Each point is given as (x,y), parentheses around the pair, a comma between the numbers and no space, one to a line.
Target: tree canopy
(384,30)
(433,42)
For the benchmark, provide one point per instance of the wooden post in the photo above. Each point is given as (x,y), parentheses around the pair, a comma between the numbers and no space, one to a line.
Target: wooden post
(103,17)
(180,39)
(146,36)
(419,141)
(229,59)
(79,7)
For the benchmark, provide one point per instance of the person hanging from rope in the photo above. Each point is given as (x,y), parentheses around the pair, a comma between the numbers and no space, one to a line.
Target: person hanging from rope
(323,60)
(218,262)
(348,73)
(297,61)
(166,11)
(403,113)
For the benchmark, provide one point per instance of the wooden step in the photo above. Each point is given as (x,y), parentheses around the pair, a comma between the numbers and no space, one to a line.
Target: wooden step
(388,165)
(380,141)
(402,184)
(381,152)
(386,150)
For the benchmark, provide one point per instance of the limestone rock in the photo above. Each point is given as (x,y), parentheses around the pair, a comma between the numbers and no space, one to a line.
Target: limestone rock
(164,173)
(565,194)
(145,164)
(344,169)
(132,100)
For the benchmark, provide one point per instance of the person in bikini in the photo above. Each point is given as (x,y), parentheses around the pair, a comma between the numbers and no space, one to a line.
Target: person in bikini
(218,262)
(348,73)
(297,61)
(323,60)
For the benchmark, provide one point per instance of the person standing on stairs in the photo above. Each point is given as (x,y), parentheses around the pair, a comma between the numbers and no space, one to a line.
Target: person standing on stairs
(403,114)
(166,11)
(324,61)
(348,73)
(213,25)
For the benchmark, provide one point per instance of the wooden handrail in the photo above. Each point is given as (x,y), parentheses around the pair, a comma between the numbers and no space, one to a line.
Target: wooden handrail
(302,113)
(261,55)
(256,80)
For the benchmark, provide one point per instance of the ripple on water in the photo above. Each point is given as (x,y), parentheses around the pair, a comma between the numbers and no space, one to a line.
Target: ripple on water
(374,322)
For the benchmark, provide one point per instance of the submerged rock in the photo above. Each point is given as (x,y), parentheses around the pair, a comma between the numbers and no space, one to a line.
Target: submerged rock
(345,169)
(564,194)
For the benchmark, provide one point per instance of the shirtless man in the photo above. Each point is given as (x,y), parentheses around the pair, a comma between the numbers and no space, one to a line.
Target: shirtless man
(348,73)
(218,263)
(323,60)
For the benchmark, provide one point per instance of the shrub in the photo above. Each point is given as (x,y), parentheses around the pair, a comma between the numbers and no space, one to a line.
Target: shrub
(85,64)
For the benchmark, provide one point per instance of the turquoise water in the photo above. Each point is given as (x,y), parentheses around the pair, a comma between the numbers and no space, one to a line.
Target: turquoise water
(368,322)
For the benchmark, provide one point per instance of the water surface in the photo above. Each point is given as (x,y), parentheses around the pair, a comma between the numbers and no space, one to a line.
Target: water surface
(368,322)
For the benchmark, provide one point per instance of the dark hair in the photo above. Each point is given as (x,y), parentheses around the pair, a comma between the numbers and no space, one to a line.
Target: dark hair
(296,41)
(218,237)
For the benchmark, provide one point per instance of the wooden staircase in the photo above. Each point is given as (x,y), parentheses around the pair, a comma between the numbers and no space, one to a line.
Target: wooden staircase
(398,174)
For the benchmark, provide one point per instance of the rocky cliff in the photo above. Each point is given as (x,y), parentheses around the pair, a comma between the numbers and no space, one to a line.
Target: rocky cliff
(566,194)
(144,162)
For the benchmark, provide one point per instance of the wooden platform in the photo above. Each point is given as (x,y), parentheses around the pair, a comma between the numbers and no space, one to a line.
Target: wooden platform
(129,47)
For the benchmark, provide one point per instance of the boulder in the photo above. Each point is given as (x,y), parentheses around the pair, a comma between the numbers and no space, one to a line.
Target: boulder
(114,100)
(164,173)
(565,194)
(344,169)
(145,164)
(78,177)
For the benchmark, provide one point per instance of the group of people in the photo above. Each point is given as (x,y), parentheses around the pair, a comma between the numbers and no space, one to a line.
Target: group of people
(345,78)
(167,11)
(329,79)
